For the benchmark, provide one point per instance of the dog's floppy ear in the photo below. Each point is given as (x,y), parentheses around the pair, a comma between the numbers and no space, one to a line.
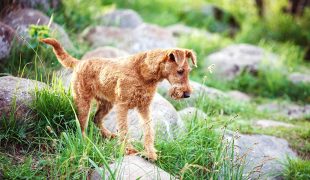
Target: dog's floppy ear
(175,56)
(190,54)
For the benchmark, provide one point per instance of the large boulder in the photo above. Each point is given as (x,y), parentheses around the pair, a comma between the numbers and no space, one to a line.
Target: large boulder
(166,120)
(7,35)
(235,59)
(16,96)
(142,38)
(291,111)
(132,167)
(21,19)
(123,18)
(262,155)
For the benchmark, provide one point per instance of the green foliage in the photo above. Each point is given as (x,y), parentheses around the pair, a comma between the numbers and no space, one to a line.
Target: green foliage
(271,83)
(158,11)
(24,170)
(276,25)
(297,169)
(199,153)
(289,54)
(78,14)
(74,156)
(54,108)
(13,131)
(36,33)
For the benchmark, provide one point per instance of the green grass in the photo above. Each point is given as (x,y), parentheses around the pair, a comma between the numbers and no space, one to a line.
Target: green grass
(297,169)
(199,153)
(54,108)
(26,169)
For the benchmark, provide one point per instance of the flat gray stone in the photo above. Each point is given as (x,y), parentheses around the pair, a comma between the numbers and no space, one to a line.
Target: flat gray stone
(270,123)
(132,168)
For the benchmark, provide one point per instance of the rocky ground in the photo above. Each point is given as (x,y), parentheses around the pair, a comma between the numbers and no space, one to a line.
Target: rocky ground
(123,32)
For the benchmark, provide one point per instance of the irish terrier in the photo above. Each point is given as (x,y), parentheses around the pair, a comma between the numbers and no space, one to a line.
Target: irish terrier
(127,83)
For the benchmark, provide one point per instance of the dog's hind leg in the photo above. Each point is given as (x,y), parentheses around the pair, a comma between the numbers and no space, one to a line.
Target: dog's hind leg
(83,106)
(103,108)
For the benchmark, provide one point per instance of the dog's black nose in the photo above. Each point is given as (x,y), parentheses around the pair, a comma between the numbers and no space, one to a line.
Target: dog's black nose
(186,95)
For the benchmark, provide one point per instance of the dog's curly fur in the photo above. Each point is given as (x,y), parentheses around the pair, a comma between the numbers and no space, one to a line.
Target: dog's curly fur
(126,83)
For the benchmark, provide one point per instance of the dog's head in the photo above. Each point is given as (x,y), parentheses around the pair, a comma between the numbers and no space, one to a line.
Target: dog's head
(170,64)
(176,70)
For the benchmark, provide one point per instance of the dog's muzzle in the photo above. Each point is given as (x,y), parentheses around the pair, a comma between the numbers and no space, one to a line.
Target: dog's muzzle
(186,95)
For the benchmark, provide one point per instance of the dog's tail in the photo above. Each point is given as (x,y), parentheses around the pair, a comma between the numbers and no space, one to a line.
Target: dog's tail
(63,57)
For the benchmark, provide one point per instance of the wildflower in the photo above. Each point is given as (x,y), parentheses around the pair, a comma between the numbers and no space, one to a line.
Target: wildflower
(211,68)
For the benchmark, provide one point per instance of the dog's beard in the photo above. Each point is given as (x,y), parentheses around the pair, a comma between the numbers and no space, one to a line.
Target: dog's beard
(176,92)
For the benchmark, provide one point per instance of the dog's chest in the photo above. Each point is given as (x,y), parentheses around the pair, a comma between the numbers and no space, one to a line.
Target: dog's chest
(141,97)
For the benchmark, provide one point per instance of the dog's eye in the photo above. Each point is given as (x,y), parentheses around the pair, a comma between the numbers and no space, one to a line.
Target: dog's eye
(180,72)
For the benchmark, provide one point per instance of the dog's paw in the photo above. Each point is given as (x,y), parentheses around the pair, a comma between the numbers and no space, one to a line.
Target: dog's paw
(131,151)
(152,156)
(149,156)
(109,135)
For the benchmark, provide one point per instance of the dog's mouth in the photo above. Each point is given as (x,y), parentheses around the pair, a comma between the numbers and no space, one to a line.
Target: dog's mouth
(178,93)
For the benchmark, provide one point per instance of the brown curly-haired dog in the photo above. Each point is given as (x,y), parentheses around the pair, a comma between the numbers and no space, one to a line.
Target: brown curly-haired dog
(126,83)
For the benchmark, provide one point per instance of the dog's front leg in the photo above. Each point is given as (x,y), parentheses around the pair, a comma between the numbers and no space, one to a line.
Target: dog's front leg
(148,130)
(122,111)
